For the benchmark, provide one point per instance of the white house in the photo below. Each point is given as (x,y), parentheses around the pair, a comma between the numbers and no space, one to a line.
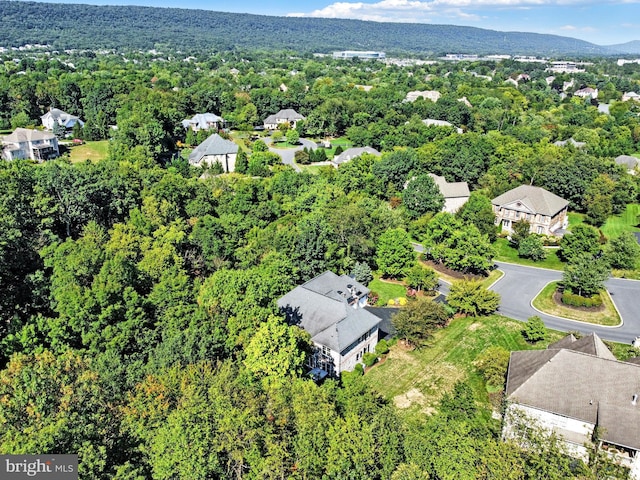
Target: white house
(30,144)
(631,163)
(570,389)
(203,121)
(331,308)
(432,95)
(215,149)
(430,122)
(587,92)
(351,153)
(631,96)
(455,194)
(288,116)
(546,212)
(56,116)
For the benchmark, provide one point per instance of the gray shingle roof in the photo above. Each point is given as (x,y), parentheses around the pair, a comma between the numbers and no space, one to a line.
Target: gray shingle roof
(202,121)
(214,145)
(20,135)
(323,307)
(535,199)
(451,190)
(287,114)
(592,388)
(564,143)
(354,152)
(628,161)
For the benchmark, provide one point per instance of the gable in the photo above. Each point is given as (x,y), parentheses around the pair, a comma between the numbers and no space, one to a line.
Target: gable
(520,206)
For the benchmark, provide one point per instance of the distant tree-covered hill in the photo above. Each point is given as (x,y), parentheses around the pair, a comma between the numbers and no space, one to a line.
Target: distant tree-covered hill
(87,26)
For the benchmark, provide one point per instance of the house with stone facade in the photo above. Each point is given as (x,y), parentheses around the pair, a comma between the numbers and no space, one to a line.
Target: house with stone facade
(546,212)
(331,308)
(577,390)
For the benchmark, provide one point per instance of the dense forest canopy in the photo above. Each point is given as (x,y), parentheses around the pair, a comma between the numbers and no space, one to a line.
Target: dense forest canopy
(65,26)
(138,320)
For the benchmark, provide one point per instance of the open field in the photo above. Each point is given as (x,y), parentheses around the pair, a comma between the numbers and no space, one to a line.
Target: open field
(416,380)
(93,151)
(627,221)
(506,253)
(545,303)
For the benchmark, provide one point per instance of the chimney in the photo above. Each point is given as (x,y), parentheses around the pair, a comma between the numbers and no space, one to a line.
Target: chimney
(634,399)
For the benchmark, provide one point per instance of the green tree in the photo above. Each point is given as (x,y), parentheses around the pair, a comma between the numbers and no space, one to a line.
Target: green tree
(421,278)
(532,247)
(585,275)
(582,239)
(465,250)
(416,322)
(293,137)
(277,350)
(492,364)
(521,230)
(479,211)
(362,273)
(242,163)
(534,330)
(421,196)
(394,253)
(472,298)
(623,251)
(277,136)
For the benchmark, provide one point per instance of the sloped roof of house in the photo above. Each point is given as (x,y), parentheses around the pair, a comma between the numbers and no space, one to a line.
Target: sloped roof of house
(354,152)
(432,95)
(324,308)
(287,114)
(202,120)
(440,123)
(583,386)
(564,143)
(451,190)
(63,118)
(21,135)
(535,199)
(214,145)
(628,161)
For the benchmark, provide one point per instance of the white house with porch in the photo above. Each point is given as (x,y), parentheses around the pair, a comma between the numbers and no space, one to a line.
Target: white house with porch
(24,143)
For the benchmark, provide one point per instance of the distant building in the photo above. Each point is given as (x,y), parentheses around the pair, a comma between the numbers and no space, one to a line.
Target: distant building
(432,95)
(351,153)
(215,149)
(347,54)
(430,122)
(632,164)
(455,194)
(546,212)
(288,116)
(587,92)
(203,121)
(631,96)
(571,141)
(56,116)
(30,144)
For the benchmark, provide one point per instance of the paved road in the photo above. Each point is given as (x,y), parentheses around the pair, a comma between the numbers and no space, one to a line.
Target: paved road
(520,284)
(287,154)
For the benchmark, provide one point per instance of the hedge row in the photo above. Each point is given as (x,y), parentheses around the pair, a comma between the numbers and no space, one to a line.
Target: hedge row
(574,300)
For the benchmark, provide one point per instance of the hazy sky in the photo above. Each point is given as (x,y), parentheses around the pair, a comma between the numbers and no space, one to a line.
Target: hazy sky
(602,22)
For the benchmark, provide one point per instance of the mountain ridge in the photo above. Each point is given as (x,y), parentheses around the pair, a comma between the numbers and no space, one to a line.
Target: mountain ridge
(92,27)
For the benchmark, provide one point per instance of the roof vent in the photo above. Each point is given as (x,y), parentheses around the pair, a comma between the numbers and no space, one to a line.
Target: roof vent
(634,399)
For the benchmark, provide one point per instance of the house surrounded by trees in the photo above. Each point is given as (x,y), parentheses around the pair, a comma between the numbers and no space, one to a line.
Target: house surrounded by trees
(287,116)
(331,308)
(30,144)
(215,149)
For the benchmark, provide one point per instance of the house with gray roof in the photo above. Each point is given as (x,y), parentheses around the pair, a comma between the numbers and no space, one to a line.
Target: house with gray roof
(431,122)
(56,116)
(546,212)
(455,194)
(203,121)
(288,116)
(570,389)
(215,149)
(571,141)
(331,308)
(632,164)
(351,153)
(30,144)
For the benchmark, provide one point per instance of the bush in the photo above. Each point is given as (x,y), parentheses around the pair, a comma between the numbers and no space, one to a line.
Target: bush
(369,359)
(492,365)
(382,347)
(534,330)
(574,300)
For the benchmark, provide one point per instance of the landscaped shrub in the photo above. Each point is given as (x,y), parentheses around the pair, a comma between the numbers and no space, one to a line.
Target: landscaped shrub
(382,347)
(575,300)
(534,330)
(369,359)
(492,365)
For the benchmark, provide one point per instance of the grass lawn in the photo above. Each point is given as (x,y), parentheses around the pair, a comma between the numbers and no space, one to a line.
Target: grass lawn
(545,303)
(416,380)
(387,290)
(506,253)
(313,169)
(627,221)
(94,151)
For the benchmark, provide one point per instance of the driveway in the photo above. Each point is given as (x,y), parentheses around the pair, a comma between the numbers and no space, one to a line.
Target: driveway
(287,154)
(520,284)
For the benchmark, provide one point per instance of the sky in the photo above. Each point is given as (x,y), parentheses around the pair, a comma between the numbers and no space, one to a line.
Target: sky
(603,22)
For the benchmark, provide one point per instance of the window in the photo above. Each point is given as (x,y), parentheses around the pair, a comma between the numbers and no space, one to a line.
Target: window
(506,223)
(540,230)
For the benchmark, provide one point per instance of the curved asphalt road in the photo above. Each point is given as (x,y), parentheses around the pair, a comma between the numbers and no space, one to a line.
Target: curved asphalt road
(519,286)
(287,154)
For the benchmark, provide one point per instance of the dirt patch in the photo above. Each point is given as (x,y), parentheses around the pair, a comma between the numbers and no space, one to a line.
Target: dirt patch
(439,267)
(475,326)
(557,298)
(413,396)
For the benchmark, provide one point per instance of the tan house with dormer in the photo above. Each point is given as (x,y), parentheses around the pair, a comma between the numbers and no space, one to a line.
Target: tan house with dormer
(545,211)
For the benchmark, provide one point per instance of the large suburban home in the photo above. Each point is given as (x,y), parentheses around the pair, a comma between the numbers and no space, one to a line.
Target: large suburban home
(587,92)
(431,122)
(30,144)
(432,95)
(546,212)
(571,141)
(288,116)
(331,308)
(203,121)
(632,164)
(455,194)
(631,96)
(215,149)
(56,116)
(570,389)
(351,153)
